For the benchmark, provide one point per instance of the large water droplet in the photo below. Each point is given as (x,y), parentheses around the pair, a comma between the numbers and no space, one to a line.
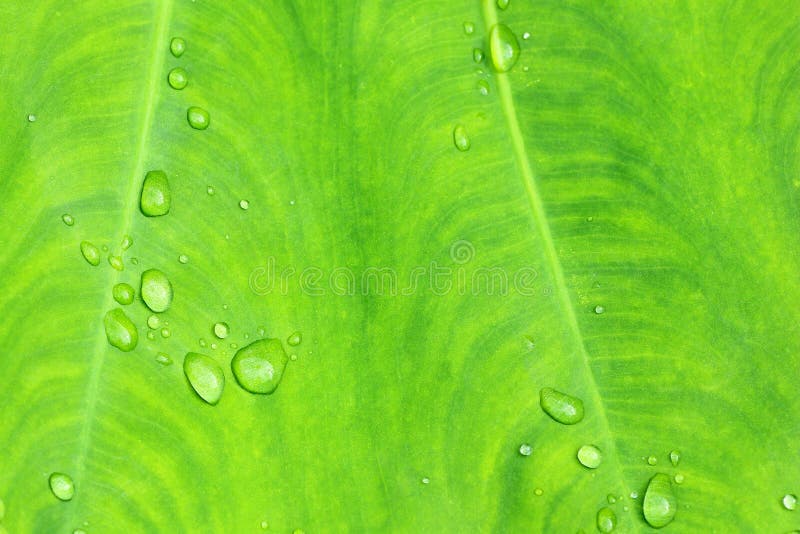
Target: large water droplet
(68,219)
(198,118)
(503,47)
(295,339)
(156,197)
(659,503)
(177,78)
(156,290)
(90,253)
(259,366)
(120,330)
(590,456)
(525,449)
(460,138)
(62,486)
(116,262)
(163,358)
(469,28)
(502,4)
(563,408)
(606,519)
(675,458)
(177,46)
(789,501)
(205,376)
(221,330)
(123,293)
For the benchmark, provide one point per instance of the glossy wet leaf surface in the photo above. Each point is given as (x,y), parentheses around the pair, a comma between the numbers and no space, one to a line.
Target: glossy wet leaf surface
(634,174)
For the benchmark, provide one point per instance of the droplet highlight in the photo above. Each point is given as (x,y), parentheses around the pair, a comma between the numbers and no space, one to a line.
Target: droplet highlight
(156,197)
(503,48)
(659,504)
(198,118)
(502,4)
(177,78)
(674,458)
(259,366)
(156,290)
(127,242)
(483,87)
(62,486)
(469,28)
(90,253)
(606,520)
(789,501)
(123,293)
(205,376)
(177,46)
(477,55)
(563,408)
(153,322)
(68,219)
(460,138)
(120,330)
(590,456)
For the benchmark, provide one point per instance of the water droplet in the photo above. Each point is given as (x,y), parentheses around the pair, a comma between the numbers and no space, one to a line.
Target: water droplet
(244,204)
(611,499)
(659,504)
(589,219)
(153,322)
(293,357)
(214,346)
(201,342)
(563,408)
(116,262)
(235,346)
(606,519)
(198,118)
(526,35)
(259,366)
(221,330)
(224,306)
(295,339)
(469,28)
(426,480)
(156,290)
(525,449)
(183,258)
(165,332)
(599,310)
(625,508)
(634,495)
(151,335)
(538,492)
(31,117)
(483,87)
(477,55)
(177,78)
(134,261)
(590,456)
(123,293)
(210,190)
(62,486)
(503,47)
(120,330)
(264,525)
(502,4)
(104,248)
(789,501)
(177,46)
(205,376)
(679,478)
(90,253)
(68,219)
(460,138)
(163,358)
(261,331)
(246,335)
(127,242)
(155,198)
(675,458)
(652,460)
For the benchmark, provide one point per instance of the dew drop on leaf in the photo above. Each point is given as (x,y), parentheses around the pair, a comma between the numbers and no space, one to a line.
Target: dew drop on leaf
(590,456)
(201,342)
(123,293)
(155,198)
(611,499)
(502,4)
(120,330)
(678,478)
(634,495)
(526,36)
(153,322)
(177,78)
(31,117)
(210,190)
(674,458)
(295,339)
(214,346)
(503,48)
(163,359)
(483,87)
(116,262)
(127,242)
(259,366)
(659,504)
(68,219)
(177,46)
(652,460)
(165,333)
(460,138)
(469,28)
(198,118)
(205,376)
(563,408)
(78,531)
(538,492)
(477,55)
(221,330)
(156,290)
(90,253)
(789,501)
(264,525)
(244,204)
(426,480)
(599,310)
(606,519)
(183,258)
(525,449)
(62,486)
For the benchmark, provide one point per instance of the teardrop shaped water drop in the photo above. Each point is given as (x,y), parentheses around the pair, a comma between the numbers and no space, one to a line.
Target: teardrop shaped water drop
(177,46)
(90,253)
(123,293)
(244,204)
(295,339)
(674,458)
(259,366)
(469,28)
(62,486)
(127,242)
(503,47)
(221,330)
(590,456)
(477,55)
(120,330)
(483,87)
(205,376)
(502,4)
(563,408)
(156,290)
(177,78)
(156,197)
(68,219)
(198,118)
(460,138)
(183,258)
(659,504)
(652,460)
(116,262)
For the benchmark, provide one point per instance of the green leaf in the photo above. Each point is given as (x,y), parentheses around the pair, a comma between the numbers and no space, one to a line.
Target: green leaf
(615,218)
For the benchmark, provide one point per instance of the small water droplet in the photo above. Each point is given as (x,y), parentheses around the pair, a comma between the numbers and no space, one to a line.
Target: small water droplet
(426,480)
(214,346)
(156,197)
(590,456)
(153,322)
(201,342)
(210,190)
(477,55)
(198,118)
(177,78)
(503,47)
(659,503)
(589,219)
(104,248)
(259,366)
(469,28)
(123,293)
(62,486)
(120,330)
(68,219)
(234,345)
(675,458)
(31,117)
(526,35)
(183,258)
(261,331)
(127,242)
(156,290)
(246,335)
(525,449)
(538,492)
(625,508)
(116,262)
(293,357)
(483,87)
(599,310)
(205,376)
(652,460)
(502,4)
(291,202)
(606,519)
(789,501)
(177,46)
(224,306)
(165,332)
(264,524)
(221,330)
(134,261)
(295,339)
(679,478)
(611,499)
(563,408)
(163,358)
(151,335)
(90,253)
(244,204)
(460,138)
(634,495)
